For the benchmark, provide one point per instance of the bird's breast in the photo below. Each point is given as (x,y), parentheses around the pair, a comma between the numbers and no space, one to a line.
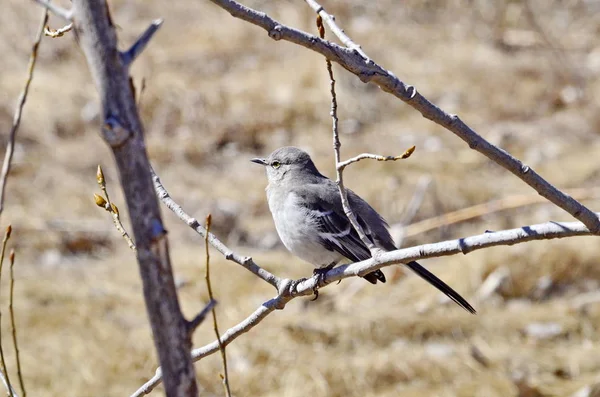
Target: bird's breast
(297,229)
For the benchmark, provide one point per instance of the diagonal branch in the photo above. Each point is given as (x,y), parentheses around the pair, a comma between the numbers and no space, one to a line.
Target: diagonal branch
(10,146)
(543,231)
(136,49)
(199,318)
(339,32)
(56,10)
(368,71)
(244,261)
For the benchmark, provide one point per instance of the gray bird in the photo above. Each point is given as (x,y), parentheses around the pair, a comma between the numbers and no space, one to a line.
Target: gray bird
(310,219)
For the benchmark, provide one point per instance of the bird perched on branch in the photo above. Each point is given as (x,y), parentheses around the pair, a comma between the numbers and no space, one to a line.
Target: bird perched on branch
(310,220)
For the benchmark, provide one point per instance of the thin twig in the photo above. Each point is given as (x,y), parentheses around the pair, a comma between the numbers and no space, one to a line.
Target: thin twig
(200,317)
(2,360)
(225,377)
(405,155)
(3,379)
(13,322)
(58,32)
(136,49)
(104,202)
(368,71)
(10,146)
(336,149)
(244,261)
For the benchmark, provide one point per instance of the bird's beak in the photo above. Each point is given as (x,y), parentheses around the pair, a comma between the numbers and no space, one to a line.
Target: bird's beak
(259,161)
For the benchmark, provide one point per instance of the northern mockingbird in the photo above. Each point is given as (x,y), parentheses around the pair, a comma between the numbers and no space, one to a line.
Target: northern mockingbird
(310,219)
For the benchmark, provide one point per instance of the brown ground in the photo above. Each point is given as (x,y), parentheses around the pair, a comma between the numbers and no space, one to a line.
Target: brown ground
(218,92)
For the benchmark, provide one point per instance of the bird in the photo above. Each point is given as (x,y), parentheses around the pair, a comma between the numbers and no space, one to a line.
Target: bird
(310,220)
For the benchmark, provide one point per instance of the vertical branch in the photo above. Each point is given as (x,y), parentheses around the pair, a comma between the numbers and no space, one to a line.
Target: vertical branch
(339,167)
(10,146)
(13,323)
(2,360)
(123,131)
(214,313)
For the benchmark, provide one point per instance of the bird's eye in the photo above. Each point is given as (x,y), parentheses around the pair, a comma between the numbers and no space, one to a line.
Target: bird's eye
(275,164)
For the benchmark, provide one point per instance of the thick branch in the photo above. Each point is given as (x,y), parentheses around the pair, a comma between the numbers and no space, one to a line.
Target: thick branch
(97,37)
(368,71)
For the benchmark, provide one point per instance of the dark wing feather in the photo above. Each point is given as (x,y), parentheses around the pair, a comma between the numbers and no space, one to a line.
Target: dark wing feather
(335,230)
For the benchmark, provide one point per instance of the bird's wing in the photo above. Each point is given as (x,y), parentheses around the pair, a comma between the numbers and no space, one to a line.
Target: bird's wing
(335,232)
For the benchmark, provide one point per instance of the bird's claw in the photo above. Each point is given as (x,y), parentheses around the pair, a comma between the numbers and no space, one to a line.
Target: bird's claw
(319,276)
(293,287)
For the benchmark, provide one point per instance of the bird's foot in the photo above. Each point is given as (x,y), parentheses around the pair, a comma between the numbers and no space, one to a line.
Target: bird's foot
(319,275)
(293,287)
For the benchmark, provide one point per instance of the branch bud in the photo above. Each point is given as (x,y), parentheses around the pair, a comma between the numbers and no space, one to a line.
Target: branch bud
(100,176)
(100,201)
(408,152)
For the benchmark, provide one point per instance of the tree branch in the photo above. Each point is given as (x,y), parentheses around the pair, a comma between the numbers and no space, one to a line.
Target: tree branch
(10,390)
(10,146)
(543,231)
(368,71)
(339,169)
(356,159)
(124,133)
(136,49)
(339,32)
(244,261)
(111,208)
(199,318)
(56,10)
(225,376)
(13,323)
(2,359)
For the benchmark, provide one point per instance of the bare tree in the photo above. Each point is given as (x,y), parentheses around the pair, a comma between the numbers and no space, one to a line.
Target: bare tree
(123,131)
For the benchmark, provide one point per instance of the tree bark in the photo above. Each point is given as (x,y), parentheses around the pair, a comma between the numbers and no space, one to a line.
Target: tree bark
(123,131)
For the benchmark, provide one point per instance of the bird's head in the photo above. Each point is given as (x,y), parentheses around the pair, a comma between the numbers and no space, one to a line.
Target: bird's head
(287,162)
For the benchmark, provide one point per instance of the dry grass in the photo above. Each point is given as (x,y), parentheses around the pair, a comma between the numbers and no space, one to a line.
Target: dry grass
(219,92)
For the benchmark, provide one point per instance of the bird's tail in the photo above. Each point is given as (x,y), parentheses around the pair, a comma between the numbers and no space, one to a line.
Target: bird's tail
(375,276)
(442,286)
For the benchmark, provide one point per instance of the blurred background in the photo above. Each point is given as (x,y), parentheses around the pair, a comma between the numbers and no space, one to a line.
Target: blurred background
(218,91)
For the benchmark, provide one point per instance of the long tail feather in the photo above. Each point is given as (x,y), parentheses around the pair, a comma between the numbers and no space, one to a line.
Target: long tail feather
(440,285)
